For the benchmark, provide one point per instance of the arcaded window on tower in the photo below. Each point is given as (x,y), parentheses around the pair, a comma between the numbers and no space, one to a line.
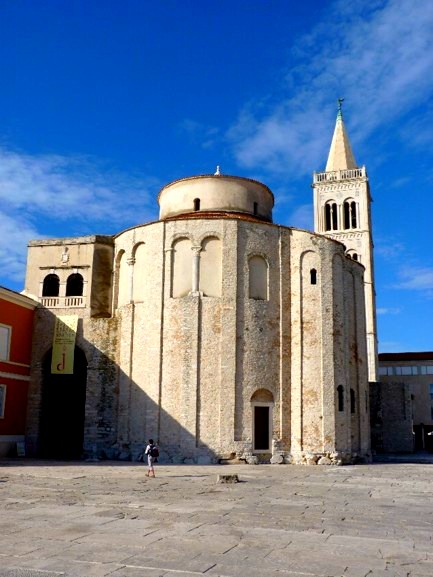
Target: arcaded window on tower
(331,216)
(258,278)
(340,395)
(350,219)
(74,285)
(51,286)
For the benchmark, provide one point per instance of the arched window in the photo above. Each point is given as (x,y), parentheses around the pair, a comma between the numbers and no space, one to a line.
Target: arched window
(350,220)
(258,278)
(74,285)
(352,401)
(313,276)
(331,216)
(181,268)
(340,394)
(196,204)
(355,256)
(211,267)
(51,286)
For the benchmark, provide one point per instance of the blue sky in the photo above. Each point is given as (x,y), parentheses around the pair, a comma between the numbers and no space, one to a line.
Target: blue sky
(104,102)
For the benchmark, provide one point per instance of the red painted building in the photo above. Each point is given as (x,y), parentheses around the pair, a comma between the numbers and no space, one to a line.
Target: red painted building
(16,327)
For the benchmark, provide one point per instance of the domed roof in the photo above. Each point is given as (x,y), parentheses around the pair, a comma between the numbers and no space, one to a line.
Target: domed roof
(214,193)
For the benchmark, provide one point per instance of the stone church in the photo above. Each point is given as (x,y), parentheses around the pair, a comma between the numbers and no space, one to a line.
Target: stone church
(213,330)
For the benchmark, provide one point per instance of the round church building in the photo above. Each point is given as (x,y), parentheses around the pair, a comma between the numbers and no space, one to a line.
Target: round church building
(214,331)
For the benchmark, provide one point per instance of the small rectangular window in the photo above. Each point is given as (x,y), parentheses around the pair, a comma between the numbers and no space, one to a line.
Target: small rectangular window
(406,370)
(2,400)
(5,338)
(429,370)
(397,370)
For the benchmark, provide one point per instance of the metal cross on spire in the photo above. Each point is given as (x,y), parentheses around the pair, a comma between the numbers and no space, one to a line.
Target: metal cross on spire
(340,104)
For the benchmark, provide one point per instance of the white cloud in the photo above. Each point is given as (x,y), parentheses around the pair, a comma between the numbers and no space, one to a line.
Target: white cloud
(39,193)
(14,235)
(388,310)
(70,187)
(416,278)
(380,60)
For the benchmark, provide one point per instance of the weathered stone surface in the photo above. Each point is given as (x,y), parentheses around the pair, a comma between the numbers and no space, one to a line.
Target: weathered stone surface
(198,365)
(277,459)
(79,519)
(324,461)
(252,460)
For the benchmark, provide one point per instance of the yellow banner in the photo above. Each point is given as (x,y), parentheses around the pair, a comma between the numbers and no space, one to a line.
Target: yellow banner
(65,331)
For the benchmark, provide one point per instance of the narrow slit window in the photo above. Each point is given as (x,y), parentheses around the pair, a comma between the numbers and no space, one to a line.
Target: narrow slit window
(352,401)
(196,204)
(353,220)
(256,208)
(313,276)
(340,395)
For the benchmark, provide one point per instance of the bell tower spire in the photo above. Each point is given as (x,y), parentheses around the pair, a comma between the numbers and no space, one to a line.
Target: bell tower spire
(342,211)
(340,154)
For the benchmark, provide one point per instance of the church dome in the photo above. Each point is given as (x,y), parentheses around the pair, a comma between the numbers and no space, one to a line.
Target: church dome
(216,193)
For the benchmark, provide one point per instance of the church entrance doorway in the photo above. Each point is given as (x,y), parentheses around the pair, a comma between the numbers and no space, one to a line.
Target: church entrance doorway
(62,410)
(262,421)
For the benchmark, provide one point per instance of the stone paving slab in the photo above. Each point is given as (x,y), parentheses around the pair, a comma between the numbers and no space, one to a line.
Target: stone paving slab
(99,519)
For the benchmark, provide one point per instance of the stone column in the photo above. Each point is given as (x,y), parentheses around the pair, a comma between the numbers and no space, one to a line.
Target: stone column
(131,262)
(195,270)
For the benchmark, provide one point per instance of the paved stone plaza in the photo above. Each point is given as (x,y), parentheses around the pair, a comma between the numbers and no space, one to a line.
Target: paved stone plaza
(97,519)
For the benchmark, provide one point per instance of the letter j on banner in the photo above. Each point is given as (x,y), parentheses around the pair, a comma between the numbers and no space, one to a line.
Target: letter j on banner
(65,332)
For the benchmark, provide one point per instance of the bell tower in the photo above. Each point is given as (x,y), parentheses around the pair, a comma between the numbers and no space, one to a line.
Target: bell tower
(342,211)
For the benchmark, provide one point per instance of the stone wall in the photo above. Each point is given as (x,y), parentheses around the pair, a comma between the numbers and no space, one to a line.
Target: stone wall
(391,418)
(188,370)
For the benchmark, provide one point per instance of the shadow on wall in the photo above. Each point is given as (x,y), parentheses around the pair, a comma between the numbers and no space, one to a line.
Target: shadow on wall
(98,412)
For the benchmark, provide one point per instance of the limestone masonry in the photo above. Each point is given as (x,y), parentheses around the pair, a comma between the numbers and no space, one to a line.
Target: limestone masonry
(214,331)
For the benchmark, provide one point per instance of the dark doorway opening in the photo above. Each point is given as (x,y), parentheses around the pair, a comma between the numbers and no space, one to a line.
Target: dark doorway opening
(261,428)
(62,410)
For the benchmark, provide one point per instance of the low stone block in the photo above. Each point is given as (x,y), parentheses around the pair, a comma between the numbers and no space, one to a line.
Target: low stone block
(227,479)
(277,459)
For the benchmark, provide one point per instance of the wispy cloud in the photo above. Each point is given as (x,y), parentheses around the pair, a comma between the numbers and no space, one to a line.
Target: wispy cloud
(377,55)
(416,278)
(14,235)
(198,133)
(39,192)
(388,310)
(302,217)
(65,187)
(389,248)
